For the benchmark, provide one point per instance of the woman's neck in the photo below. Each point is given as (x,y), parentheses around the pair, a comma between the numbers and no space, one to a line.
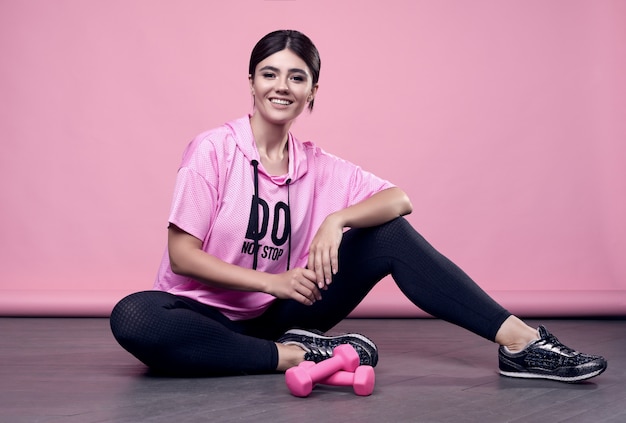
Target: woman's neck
(271,140)
(271,143)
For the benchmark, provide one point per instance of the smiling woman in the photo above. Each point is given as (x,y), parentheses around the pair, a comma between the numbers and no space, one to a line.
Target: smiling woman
(280,42)
(282,86)
(267,233)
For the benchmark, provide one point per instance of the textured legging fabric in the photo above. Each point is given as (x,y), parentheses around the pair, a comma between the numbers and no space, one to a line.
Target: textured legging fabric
(177,335)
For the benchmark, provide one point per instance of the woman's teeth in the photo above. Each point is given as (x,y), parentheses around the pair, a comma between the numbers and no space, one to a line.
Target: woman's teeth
(282,102)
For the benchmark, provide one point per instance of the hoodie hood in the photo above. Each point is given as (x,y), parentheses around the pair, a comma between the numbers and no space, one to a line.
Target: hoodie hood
(244,138)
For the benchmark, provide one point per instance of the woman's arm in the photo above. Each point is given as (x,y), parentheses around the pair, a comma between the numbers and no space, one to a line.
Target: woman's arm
(188,259)
(380,208)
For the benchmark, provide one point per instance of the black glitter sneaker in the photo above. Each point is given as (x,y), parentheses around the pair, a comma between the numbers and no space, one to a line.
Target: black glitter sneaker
(319,347)
(547,358)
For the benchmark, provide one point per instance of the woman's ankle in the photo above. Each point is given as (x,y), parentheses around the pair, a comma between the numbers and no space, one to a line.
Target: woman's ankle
(515,335)
(288,356)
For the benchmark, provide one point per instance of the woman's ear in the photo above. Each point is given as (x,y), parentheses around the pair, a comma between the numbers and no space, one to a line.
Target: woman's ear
(311,96)
(251,82)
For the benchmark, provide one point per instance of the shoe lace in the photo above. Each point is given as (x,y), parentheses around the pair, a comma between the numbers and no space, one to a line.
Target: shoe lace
(323,349)
(555,344)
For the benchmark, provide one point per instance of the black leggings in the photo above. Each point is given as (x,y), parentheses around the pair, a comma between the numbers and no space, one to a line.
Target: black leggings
(177,335)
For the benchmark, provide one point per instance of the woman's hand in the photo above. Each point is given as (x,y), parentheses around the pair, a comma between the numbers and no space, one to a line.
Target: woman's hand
(297,284)
(380,208)
(324,251)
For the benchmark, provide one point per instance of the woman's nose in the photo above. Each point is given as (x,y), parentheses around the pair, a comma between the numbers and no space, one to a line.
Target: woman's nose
(281,85)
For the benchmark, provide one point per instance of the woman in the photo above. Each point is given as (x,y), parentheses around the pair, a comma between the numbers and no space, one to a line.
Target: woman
(256,247)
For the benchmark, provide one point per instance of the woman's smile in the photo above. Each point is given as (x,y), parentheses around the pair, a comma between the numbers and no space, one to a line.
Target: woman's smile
(281,101)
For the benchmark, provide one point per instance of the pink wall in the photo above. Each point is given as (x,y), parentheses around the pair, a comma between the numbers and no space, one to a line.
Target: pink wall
(505,121)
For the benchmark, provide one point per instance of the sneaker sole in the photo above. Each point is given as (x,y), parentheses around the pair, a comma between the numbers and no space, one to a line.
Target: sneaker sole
(550,377)
(308,333)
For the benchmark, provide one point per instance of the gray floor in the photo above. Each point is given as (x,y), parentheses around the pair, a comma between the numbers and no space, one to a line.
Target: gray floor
(71,370)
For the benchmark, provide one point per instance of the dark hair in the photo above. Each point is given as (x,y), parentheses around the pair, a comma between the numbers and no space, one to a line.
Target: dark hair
(293,40)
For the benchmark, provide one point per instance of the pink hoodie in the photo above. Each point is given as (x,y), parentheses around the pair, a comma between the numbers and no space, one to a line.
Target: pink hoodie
(214,197)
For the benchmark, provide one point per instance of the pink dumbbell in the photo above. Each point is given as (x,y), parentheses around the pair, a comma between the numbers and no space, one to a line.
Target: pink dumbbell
(300,380)
(362,380)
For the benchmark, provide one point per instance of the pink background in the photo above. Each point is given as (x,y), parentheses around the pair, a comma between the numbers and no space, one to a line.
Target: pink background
(505,121)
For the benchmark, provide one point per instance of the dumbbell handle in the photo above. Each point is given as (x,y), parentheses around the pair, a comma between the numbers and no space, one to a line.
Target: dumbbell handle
(340,378)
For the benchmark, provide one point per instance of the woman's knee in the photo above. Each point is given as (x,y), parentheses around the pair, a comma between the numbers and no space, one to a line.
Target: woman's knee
(132,313)
(392,234)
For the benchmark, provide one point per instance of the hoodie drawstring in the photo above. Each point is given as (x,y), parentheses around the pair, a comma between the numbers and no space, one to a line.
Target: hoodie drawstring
(255,213)
(288,223)
(255,218)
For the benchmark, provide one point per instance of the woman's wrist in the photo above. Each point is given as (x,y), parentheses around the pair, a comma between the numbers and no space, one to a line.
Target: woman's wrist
(266,282)
(337,219)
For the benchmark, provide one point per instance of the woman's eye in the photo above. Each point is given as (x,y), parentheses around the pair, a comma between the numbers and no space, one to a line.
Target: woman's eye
(297,78)
(268,75)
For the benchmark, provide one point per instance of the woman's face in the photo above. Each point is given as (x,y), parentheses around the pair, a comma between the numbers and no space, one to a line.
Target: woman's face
(282,87)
